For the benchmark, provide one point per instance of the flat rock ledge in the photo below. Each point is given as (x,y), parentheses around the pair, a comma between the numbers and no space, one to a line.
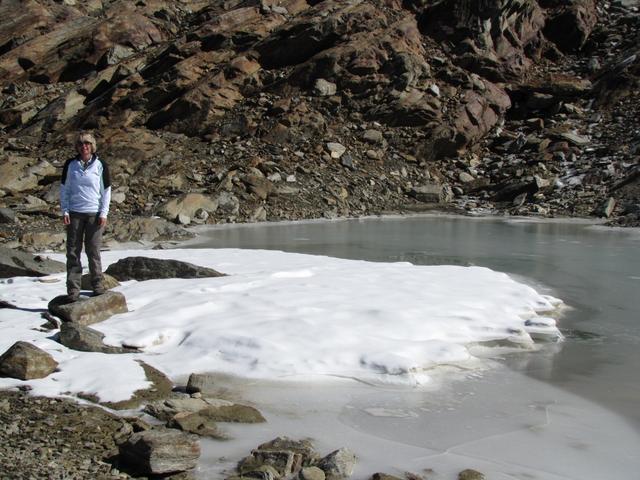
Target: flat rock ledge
(88,311)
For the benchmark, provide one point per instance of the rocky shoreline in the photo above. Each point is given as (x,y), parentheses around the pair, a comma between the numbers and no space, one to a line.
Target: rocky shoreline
(215,112)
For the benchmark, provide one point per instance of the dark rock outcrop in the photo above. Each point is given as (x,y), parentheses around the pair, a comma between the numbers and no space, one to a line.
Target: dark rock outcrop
(145,268)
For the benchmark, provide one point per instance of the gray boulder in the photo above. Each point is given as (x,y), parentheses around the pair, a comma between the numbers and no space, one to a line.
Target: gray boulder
(187,205)
(161,452)
(338,464)
(88,311)
(431,193)
(25,361)
(85,339)
(144,268)
(204,383)
(19,174)
(193,422)
(286,456)
(14,263)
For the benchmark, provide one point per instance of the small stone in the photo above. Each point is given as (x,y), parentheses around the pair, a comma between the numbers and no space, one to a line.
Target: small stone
(336,149)
(520,199)
(466,177)
(608,207)
(88,311)
(576,139)
(373,136)
(7,215)
(324,88)
(311,473)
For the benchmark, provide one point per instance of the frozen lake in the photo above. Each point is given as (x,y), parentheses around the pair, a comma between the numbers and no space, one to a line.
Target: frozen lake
(568,411)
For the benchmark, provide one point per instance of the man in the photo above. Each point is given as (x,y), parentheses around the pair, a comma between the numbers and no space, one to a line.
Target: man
(85,194)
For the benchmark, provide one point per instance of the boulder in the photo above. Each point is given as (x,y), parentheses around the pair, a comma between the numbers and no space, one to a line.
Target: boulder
(211,409)
(234,413)
(160,452)
(14,263)
(204,383)
(25,361)
(193,422)
(18,174)
(187,204)
(145,268)
(324,88)
(88,311)
(570,23)
(165,409)
(7,215)
(431,193)
(228,204)
(285,463)
(107,281)
(301,447)
(311,473)
(470,474)
(85,339)
(45,240)
(338,464)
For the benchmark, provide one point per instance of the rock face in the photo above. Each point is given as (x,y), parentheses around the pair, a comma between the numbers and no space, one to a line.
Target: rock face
(161,452)
(145,268)
(88,311)
(14,263)
(217,112)
(25,361)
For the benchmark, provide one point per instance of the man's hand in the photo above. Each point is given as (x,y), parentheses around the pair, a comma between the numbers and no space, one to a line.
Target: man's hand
(66,220)
(102,221)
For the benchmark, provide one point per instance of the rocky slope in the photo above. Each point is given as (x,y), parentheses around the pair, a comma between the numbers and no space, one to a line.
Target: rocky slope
(290,109)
